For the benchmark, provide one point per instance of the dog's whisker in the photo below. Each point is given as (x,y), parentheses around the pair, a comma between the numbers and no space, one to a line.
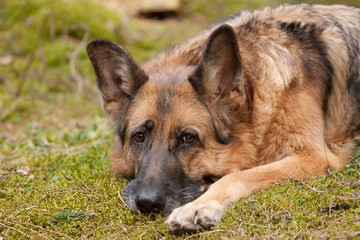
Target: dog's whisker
(187,188)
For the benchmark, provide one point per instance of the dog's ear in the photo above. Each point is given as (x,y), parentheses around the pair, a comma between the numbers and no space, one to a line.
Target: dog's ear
(117,75)
(218,79)
(220,69)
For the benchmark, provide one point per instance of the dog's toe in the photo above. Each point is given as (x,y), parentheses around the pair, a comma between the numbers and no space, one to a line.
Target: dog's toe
(194,217)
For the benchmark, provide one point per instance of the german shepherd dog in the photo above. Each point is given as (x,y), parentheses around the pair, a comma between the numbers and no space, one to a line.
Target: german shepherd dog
(256,99)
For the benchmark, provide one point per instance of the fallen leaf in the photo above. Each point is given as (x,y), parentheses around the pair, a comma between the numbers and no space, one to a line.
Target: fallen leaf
(24,171)
(6,60)
(9,126)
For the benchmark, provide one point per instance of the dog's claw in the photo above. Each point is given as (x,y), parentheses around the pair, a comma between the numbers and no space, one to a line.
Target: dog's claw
(194,217)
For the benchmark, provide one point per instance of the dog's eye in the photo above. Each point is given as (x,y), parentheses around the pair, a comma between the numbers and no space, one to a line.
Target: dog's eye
(139,137)
(189,138)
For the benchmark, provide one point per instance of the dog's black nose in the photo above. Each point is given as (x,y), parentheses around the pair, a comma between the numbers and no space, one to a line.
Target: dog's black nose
(150,202)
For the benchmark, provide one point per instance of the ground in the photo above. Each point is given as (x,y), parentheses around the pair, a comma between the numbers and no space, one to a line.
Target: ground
(55,140)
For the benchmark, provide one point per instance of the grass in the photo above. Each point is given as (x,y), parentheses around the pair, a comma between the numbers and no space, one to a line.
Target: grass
(55,141)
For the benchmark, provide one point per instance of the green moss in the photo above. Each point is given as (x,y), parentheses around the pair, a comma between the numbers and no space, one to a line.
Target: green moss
(29,23)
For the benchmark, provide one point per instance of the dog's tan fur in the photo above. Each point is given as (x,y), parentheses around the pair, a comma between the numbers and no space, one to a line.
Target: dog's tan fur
(285,119)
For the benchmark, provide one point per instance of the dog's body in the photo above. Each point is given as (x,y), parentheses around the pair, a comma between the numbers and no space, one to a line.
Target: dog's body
(253,100)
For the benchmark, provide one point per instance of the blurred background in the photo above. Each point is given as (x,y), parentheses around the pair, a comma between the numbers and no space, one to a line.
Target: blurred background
(49,102)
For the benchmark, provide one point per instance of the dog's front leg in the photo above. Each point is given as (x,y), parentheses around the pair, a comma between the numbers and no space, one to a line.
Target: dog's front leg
(207,210)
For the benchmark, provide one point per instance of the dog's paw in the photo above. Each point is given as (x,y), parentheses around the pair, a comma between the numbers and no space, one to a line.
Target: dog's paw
(195,216)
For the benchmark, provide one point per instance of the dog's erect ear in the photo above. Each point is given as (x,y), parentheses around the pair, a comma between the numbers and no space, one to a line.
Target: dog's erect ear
(218,79)
(219,71)
(117,75)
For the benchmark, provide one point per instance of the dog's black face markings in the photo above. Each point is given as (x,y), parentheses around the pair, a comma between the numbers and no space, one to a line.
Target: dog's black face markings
(160,183)
(164,102)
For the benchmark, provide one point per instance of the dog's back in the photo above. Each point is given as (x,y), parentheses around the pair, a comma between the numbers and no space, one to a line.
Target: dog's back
(314,49)
(311,48)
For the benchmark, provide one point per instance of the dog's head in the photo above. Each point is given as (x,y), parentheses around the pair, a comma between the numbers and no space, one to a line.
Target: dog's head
(174,121)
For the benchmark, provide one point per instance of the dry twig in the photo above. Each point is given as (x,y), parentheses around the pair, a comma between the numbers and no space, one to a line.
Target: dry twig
(14,229)
(204,233)
(83,186)
(32,231)
(74,54)
(42,228)
(121,198)
(314,189)
(8,110)
(320,191)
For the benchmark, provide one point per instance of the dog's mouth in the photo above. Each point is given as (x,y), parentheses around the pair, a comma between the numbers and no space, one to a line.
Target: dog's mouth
(162,199)
(210,179)
(157,200)
(207,181)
